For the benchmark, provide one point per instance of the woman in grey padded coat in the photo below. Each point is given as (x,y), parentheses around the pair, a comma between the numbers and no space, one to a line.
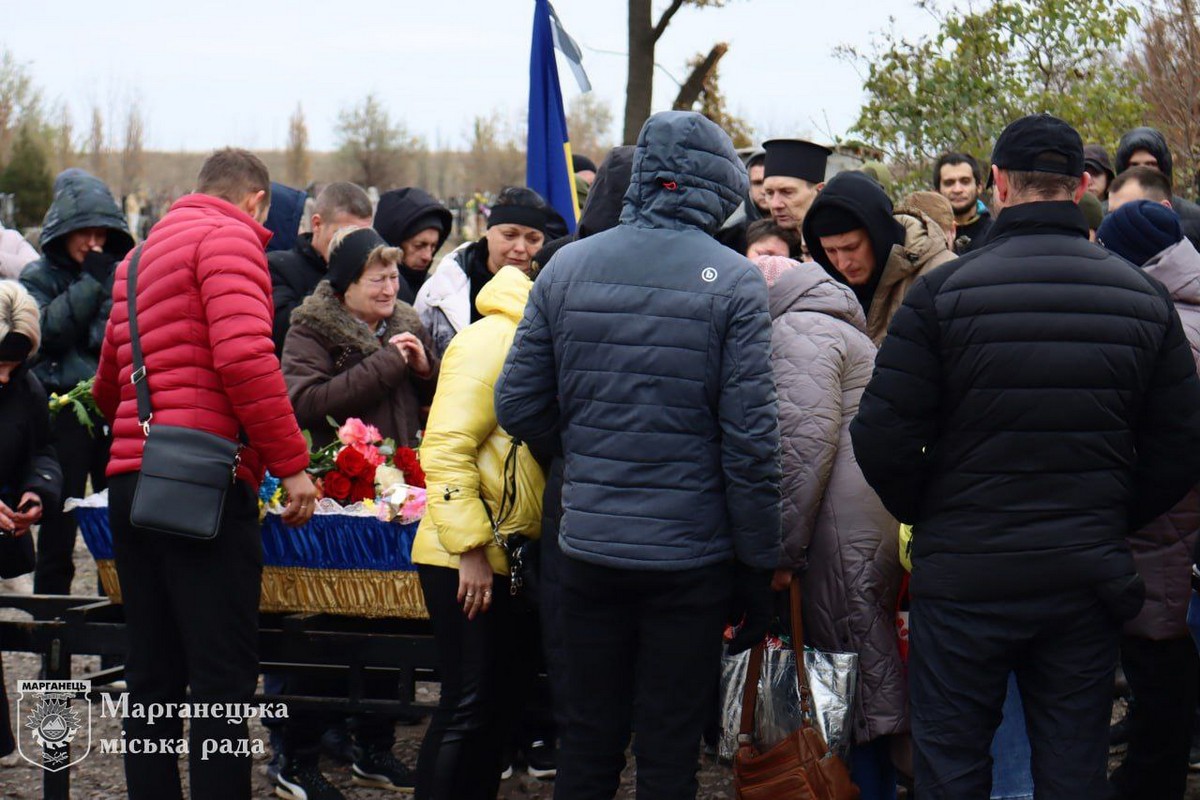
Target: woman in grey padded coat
(836,531)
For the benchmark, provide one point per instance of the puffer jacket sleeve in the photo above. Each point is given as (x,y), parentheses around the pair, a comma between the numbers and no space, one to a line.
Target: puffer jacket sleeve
(461,419)
(1168,433)
(284,296)
(44,475)
(235,293)
(106,390)
(66,318)
(317,390)
(897,417)
(808,378)
(748,417)
(527,392)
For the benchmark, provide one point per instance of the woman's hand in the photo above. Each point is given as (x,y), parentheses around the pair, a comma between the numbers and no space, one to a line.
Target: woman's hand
(414,353)
(474,582)
(781,580)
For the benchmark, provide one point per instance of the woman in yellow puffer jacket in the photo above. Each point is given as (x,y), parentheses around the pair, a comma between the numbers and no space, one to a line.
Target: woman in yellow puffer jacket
(463,571)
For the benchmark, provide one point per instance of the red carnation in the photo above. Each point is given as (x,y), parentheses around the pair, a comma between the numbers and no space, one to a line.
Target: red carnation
(337,485)
(406,461)
(354,463)
(362,489)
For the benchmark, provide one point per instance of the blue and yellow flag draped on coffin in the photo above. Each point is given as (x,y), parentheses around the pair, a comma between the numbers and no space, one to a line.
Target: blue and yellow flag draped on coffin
(548,149)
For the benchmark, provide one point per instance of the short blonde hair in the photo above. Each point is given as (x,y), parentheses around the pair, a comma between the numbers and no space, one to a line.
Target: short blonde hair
(385,254)
(19,313)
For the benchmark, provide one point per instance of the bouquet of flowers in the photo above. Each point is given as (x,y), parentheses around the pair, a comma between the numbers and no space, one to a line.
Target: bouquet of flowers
(360,466)
(81,402)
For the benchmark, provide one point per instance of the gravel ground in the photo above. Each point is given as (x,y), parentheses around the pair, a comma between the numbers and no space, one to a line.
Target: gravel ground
(100,776)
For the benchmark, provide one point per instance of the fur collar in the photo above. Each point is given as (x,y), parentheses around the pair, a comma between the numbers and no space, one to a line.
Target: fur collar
(325,315)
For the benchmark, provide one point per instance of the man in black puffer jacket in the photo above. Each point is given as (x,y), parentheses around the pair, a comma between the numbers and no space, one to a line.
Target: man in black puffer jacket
(649,344)
(83,237)
(1146,147)
(1033,404)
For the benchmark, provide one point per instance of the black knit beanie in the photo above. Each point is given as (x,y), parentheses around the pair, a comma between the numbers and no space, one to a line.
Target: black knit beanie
(1140,230)
(349,258)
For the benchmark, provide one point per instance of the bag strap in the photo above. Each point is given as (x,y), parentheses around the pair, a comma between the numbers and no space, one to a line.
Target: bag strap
(508,492)
(806,701)
(750,696)
(138,378)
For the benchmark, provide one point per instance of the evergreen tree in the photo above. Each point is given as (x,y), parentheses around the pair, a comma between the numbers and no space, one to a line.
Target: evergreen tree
(27,176)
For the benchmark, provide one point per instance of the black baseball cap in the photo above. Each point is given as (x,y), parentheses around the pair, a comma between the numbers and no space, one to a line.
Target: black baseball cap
(1039,143)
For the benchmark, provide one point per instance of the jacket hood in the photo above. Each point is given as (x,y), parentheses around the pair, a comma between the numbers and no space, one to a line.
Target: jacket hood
(860,195)
(685,174)
(807,287)
(325,315)
(83,201)
(399,209)
(283,217)
(607,193)
(1144,139)
(505,294)
(923,238)
(1178,269)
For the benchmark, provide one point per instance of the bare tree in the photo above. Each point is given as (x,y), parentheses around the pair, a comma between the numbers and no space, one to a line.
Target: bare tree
(132,151)
(60,136)
(496,158)
(97,150)
(703,87)
(20,101)
(589,124)
(644,34)
(299,164)
(1166,62)
(374,146)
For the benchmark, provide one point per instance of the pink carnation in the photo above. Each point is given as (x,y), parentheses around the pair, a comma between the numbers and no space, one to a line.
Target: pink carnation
(373,435)
(370,453)
(414,505)
(353,432)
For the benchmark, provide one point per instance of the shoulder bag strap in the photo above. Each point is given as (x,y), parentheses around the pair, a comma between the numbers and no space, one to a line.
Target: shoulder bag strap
(750,696)
(138,378)
(806,702)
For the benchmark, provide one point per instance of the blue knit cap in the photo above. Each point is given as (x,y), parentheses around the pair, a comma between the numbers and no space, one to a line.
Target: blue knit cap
(1140,230)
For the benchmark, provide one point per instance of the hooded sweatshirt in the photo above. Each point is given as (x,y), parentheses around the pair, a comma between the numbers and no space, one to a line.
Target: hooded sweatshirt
(283,217)
(906,245)
(603,208)
(1155,143)
(74,305)
(402,214)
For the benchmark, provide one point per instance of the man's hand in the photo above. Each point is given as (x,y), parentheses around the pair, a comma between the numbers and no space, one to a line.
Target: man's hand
(302,499)
(414,353)
(781,580)
(752,606)
(32,514)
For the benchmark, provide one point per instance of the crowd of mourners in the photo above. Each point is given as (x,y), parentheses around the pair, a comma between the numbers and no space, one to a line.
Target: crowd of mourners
(974,407)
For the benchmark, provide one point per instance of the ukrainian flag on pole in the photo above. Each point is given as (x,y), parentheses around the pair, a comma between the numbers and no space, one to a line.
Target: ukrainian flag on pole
(547,149)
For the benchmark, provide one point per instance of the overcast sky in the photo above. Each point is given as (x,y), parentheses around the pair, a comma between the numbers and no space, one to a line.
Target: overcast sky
(230,72)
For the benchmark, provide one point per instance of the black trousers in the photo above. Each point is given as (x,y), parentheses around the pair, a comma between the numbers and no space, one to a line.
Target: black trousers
(191,612)
(461,755)
(81,456)
(1063,651)
(1162,678)
(642,650)
(302,730)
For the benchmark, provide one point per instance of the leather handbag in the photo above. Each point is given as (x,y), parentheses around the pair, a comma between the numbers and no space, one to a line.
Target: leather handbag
(185,473)
(802,765)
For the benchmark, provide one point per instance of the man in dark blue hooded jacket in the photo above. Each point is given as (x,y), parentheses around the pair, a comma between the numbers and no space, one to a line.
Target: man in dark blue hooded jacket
(647,346)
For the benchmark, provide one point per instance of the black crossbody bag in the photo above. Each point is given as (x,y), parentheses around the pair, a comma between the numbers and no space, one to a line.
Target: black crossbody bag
(185,473)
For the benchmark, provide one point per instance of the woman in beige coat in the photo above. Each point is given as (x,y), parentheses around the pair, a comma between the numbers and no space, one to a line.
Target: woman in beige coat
(835,529)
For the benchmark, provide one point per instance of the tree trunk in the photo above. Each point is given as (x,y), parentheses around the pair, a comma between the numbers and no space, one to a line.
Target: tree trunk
(639,88)
(689,93)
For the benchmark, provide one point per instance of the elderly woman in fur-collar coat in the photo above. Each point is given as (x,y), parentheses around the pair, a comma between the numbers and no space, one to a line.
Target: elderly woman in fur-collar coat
(354,350)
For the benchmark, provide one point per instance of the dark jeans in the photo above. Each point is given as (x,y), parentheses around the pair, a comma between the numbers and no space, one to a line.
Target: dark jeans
(191,612)
(1162,678)
(460,757)
(1063,651)
(81,456)
(302,730)
(642,650)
